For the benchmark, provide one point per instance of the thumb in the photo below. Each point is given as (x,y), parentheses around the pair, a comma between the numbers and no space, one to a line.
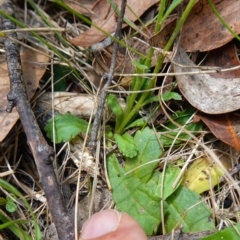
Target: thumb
(112,225)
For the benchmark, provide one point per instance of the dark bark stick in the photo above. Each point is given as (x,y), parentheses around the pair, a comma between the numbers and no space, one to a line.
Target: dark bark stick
(42,152)
(97,120)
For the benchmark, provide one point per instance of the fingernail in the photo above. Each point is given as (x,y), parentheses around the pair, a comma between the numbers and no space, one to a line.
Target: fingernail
(100,224)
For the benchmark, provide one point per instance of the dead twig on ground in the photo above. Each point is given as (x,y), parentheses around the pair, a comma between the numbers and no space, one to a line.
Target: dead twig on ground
(41,151)
(109,76)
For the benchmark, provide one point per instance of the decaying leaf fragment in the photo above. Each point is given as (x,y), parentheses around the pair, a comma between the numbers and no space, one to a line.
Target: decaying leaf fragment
(207,94)
(82,157)
(33,65)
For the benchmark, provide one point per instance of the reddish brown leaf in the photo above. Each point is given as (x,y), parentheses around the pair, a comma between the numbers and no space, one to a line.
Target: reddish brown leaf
(203,31)
(225,127)
(102,14)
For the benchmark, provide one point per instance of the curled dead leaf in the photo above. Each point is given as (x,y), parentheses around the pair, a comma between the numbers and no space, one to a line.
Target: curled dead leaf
(207,94)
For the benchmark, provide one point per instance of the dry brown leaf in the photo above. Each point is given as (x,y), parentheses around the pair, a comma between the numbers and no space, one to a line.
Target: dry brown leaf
(102,61)
(225,127)
(207,94)
(34,66)
(102,15)
(223,57)
(203,31)
(160,39)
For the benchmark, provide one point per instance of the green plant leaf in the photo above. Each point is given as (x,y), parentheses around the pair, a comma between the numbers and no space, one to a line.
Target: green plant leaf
(172,6)
(149,149)
(167,96)
(184,208)
(134,197)
(66,127)
(140,200)
(11,206)
(170,175)
(229,233)
(126,145)
(139,66)
(137,123)
(13,226)
(4,218)
(171,95)
(114,105)
(170,131)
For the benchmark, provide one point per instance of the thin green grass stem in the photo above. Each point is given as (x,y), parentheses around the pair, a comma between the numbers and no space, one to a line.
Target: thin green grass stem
(176,31)
(39,12)
(132,97)
(170,42)
(13,190)
(138,83)
(222,20)
(161,11)
(129,114)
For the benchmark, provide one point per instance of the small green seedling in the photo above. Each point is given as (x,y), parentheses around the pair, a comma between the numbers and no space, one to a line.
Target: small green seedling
(9,203)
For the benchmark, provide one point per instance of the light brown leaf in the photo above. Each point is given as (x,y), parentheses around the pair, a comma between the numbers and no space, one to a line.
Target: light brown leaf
(102,14)
(203,31)
(82,105)
(207,94)
(33,65)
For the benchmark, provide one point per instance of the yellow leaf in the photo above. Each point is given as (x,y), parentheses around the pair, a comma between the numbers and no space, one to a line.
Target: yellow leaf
(202,175)
(2,34)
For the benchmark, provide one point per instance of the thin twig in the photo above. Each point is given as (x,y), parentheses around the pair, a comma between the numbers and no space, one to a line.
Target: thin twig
(43,154)
(97,120)
(42,29)
(211,70)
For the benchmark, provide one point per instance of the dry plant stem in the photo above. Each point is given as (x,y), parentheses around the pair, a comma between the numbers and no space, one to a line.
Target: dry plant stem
(42,153)
(97,120)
